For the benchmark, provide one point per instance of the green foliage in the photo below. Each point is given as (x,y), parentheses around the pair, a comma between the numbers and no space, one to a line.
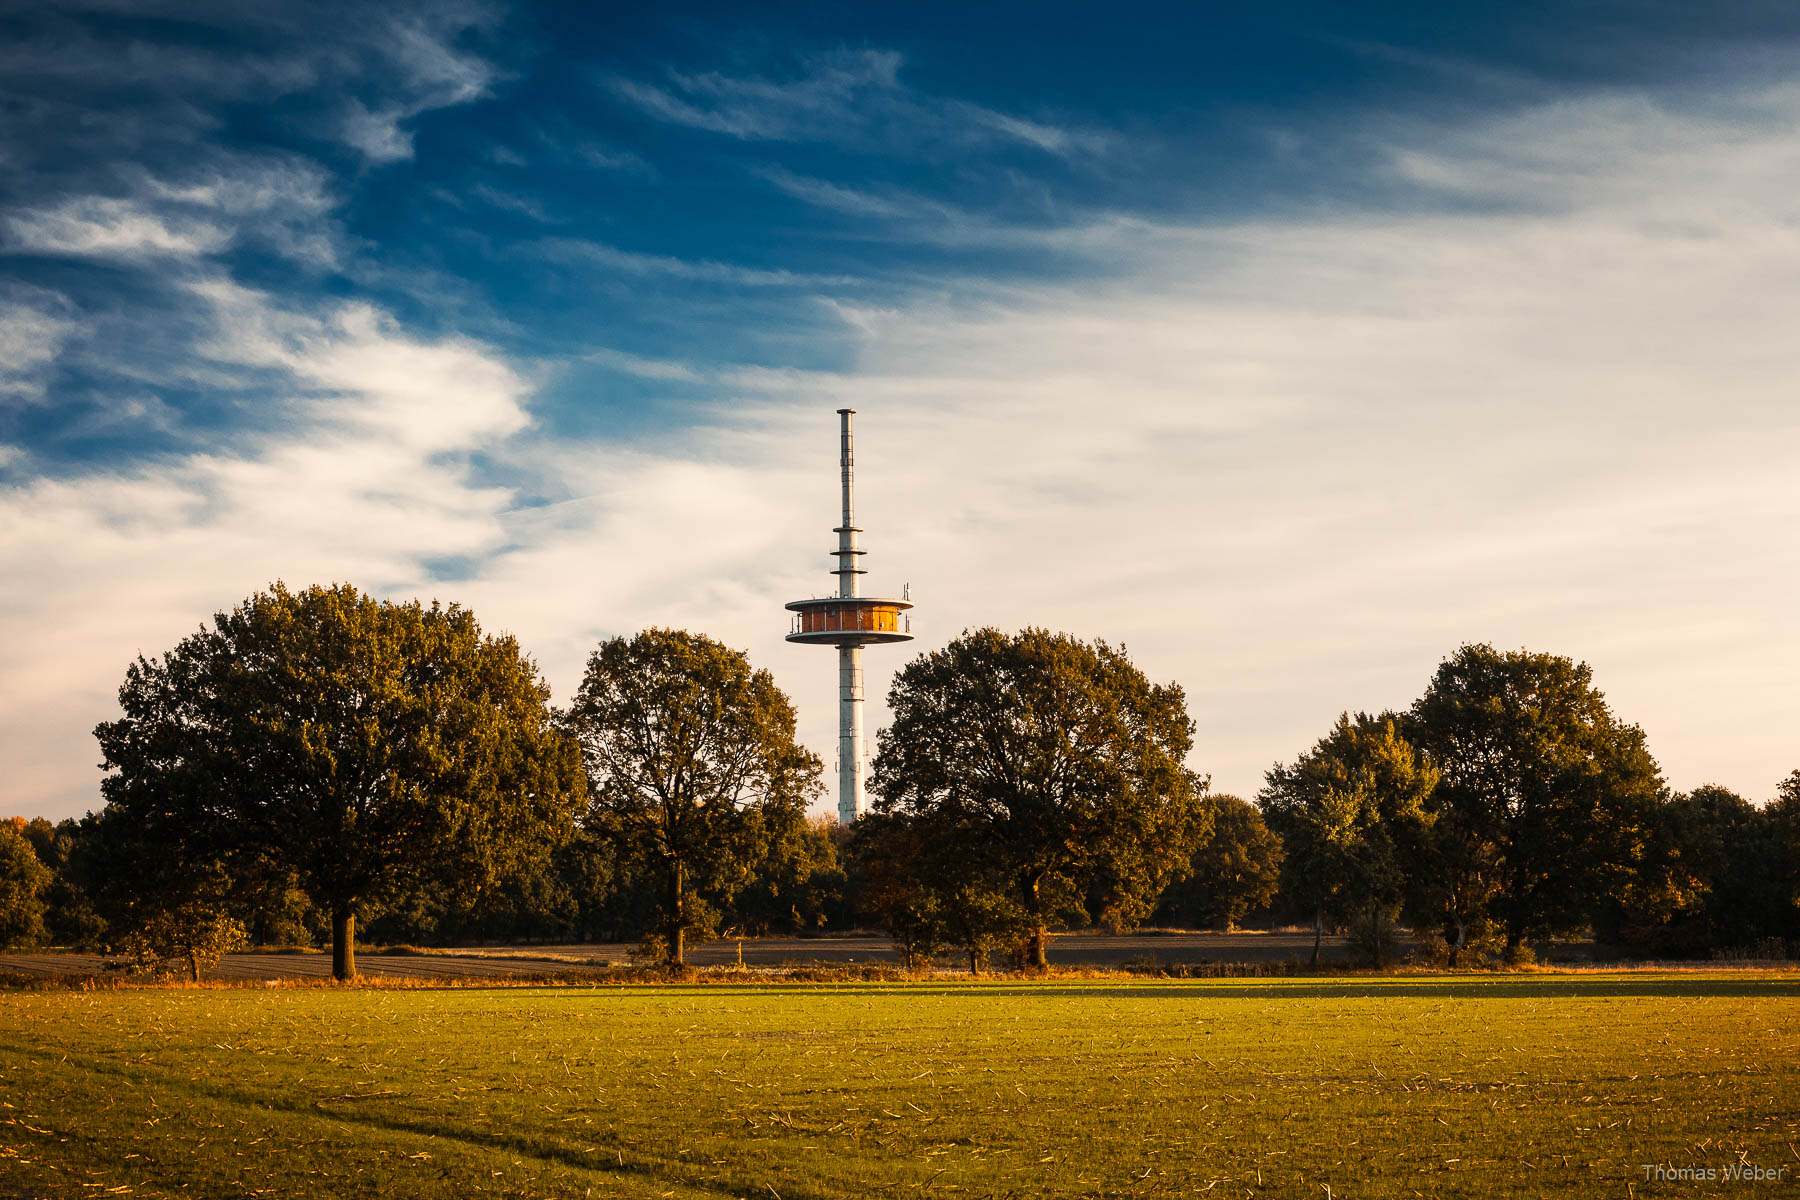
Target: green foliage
(693,770)
(23,881)
(1351,814)
(1052,766)
(70,917)
(186,939)
(1545,798)
(796,884)
(1235,871)
(929,894)
(1708,877)
(364,748)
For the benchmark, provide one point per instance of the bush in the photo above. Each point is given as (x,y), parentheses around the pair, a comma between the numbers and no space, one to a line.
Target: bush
(1520,955)
(1375,935)
(166,942)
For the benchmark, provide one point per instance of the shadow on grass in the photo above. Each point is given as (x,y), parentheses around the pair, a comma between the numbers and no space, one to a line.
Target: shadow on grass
(626,1161)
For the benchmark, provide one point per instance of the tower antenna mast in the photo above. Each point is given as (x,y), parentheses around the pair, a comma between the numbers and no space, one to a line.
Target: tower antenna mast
(850,621)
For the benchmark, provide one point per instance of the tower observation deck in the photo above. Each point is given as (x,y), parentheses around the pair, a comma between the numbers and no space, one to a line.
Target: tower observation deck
(849,621)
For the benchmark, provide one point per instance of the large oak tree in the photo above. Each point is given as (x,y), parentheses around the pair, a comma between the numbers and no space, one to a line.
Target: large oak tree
(366,747)
(1051,763)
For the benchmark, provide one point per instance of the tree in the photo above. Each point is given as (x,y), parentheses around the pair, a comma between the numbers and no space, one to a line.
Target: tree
(69,914)
(1351,815)
(1234,871)
(691,762)
(921,885)
(1052,764)
(364,747)
(1544,792)
(1783,817)
(1707,877)
(23,880)
(796,883)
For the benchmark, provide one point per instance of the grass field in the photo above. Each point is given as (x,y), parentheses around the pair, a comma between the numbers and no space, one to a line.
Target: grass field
(1511,1085)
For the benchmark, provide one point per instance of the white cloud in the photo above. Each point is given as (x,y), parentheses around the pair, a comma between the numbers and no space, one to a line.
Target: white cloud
(112,227)
(370,480)
(34,324)
(284,204)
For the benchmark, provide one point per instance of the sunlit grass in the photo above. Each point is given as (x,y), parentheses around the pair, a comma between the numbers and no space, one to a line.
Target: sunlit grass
(1386,1086)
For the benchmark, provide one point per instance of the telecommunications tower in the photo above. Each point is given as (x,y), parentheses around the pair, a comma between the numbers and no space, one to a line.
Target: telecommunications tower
(850,621)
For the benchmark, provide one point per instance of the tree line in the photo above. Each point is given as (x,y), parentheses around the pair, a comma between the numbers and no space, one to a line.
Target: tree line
(317,767)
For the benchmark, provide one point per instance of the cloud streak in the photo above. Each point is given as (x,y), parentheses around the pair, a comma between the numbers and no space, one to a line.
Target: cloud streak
(847,97)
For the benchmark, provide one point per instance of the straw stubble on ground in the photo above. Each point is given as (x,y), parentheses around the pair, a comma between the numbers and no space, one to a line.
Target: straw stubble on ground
(1525,1085)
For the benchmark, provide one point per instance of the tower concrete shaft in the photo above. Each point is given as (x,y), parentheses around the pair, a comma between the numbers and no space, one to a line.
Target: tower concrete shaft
(852,800)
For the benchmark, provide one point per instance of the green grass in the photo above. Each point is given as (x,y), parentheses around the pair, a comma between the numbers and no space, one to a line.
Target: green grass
(1512,1085)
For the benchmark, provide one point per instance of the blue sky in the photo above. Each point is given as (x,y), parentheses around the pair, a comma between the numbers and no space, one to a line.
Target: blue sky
(1291,345)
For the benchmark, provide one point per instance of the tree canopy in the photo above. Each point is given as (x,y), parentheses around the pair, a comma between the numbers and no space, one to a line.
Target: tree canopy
(693,768)
(1543,796)
(23,882)
(1052,764)
(1351,814)
(1235,871)
(361,746)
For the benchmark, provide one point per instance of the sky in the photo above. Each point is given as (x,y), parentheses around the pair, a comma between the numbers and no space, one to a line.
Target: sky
(1289,345)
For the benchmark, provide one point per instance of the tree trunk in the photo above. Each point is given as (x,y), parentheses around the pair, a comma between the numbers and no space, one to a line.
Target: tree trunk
(678,918)
(193,964)
(1035,958)
(973,968)
(343,944)
(1318,935)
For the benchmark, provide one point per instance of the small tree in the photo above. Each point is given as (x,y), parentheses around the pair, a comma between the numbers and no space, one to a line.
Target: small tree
(924,889)
(1054,764)
(692,761)
(192,938)
(23,881)
(796,883)
(1236,870)
(1351,815)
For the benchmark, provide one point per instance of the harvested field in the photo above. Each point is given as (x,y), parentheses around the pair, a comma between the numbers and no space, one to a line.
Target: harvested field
(1462,1086)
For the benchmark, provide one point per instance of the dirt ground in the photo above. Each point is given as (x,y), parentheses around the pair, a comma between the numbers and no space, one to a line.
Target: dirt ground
(1069,949)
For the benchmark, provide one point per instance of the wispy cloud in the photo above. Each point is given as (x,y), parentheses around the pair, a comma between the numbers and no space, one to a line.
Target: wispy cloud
(612,258)
(354,73)
(34,323)
(843,97)
(108,227)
